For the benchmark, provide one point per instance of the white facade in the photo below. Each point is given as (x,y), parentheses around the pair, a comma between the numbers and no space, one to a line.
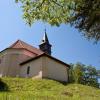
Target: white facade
(45,67)
(35,69)
(10,60)
(23,60)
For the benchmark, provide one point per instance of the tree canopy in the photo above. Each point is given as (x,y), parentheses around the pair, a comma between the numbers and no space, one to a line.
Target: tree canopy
(54,12)
(83,14)
(80,73)
(87,18)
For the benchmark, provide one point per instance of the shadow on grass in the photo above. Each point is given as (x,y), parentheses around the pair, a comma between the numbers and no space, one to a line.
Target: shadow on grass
(61,82)
(3,86)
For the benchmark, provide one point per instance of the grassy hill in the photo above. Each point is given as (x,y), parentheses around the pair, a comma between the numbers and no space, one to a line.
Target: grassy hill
(28,89)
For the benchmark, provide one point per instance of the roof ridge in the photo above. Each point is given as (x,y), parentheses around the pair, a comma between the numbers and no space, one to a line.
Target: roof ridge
(21,43)
(13,44)
(24,45)
(29,45)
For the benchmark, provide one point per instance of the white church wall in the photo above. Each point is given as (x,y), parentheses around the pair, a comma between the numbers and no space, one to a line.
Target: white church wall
(4,66)
(11,64)
(56,70)
(45,67)
(10,60)
(35,69)
(2,59)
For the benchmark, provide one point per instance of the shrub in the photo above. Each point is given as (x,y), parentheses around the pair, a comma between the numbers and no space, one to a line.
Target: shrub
(3,86)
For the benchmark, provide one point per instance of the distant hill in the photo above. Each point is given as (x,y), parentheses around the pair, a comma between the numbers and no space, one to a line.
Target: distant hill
(28,89)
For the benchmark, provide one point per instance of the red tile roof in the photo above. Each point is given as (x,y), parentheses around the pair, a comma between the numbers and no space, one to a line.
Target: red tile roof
(22,45)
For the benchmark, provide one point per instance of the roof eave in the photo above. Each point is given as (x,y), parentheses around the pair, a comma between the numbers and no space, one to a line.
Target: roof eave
(44,54)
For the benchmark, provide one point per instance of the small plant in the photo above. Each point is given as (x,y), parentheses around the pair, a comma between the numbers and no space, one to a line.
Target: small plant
(3,86)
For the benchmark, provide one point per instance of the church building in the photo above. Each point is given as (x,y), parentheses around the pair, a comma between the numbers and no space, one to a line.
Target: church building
(23,60)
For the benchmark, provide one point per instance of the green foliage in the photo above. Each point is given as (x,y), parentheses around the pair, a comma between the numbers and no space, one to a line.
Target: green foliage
(28,89)
(3,86)
(78,72)
(98,72)
(83,14)
(86,18)
(54,12)
(83,74)
(71,74)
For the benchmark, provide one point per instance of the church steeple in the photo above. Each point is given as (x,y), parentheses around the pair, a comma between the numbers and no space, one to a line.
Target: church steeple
(45,46)
(45,38)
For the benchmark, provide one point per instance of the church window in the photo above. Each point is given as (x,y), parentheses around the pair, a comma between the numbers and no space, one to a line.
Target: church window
(28,69)
(0,61)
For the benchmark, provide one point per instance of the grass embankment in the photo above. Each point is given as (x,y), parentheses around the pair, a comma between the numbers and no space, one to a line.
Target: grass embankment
(28,89)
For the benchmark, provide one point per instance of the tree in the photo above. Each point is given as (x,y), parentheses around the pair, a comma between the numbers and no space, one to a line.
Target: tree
(83,14)
(86,18)
(98,72)
(80,73)
(90,76)
(54,12)
(78,70)
(71,74)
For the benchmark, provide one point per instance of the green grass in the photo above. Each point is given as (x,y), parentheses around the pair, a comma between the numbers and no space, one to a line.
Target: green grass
(28,89)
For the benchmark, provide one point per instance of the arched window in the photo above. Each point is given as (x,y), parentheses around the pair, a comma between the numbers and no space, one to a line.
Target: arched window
(0,61)
(28,69)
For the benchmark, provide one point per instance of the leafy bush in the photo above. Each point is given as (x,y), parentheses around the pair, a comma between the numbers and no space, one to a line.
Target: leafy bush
(3,86)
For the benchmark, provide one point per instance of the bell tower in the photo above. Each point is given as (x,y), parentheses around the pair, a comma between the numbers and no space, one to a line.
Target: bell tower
(45,46)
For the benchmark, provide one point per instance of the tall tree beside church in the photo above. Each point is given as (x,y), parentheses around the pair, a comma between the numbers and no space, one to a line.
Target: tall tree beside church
(83,14)
(80,73)
(91,76)
(71,74)
(78,70)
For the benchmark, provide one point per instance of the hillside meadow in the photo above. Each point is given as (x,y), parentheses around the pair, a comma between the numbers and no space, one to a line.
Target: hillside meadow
(45,89)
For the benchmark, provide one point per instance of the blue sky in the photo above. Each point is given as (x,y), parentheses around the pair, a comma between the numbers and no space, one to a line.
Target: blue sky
(67,43)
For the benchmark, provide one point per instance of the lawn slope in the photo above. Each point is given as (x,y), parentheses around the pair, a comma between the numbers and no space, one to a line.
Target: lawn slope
(28,89)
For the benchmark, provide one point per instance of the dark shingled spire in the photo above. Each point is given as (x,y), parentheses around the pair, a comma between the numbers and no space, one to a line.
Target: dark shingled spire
(45,46)
(45,38)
